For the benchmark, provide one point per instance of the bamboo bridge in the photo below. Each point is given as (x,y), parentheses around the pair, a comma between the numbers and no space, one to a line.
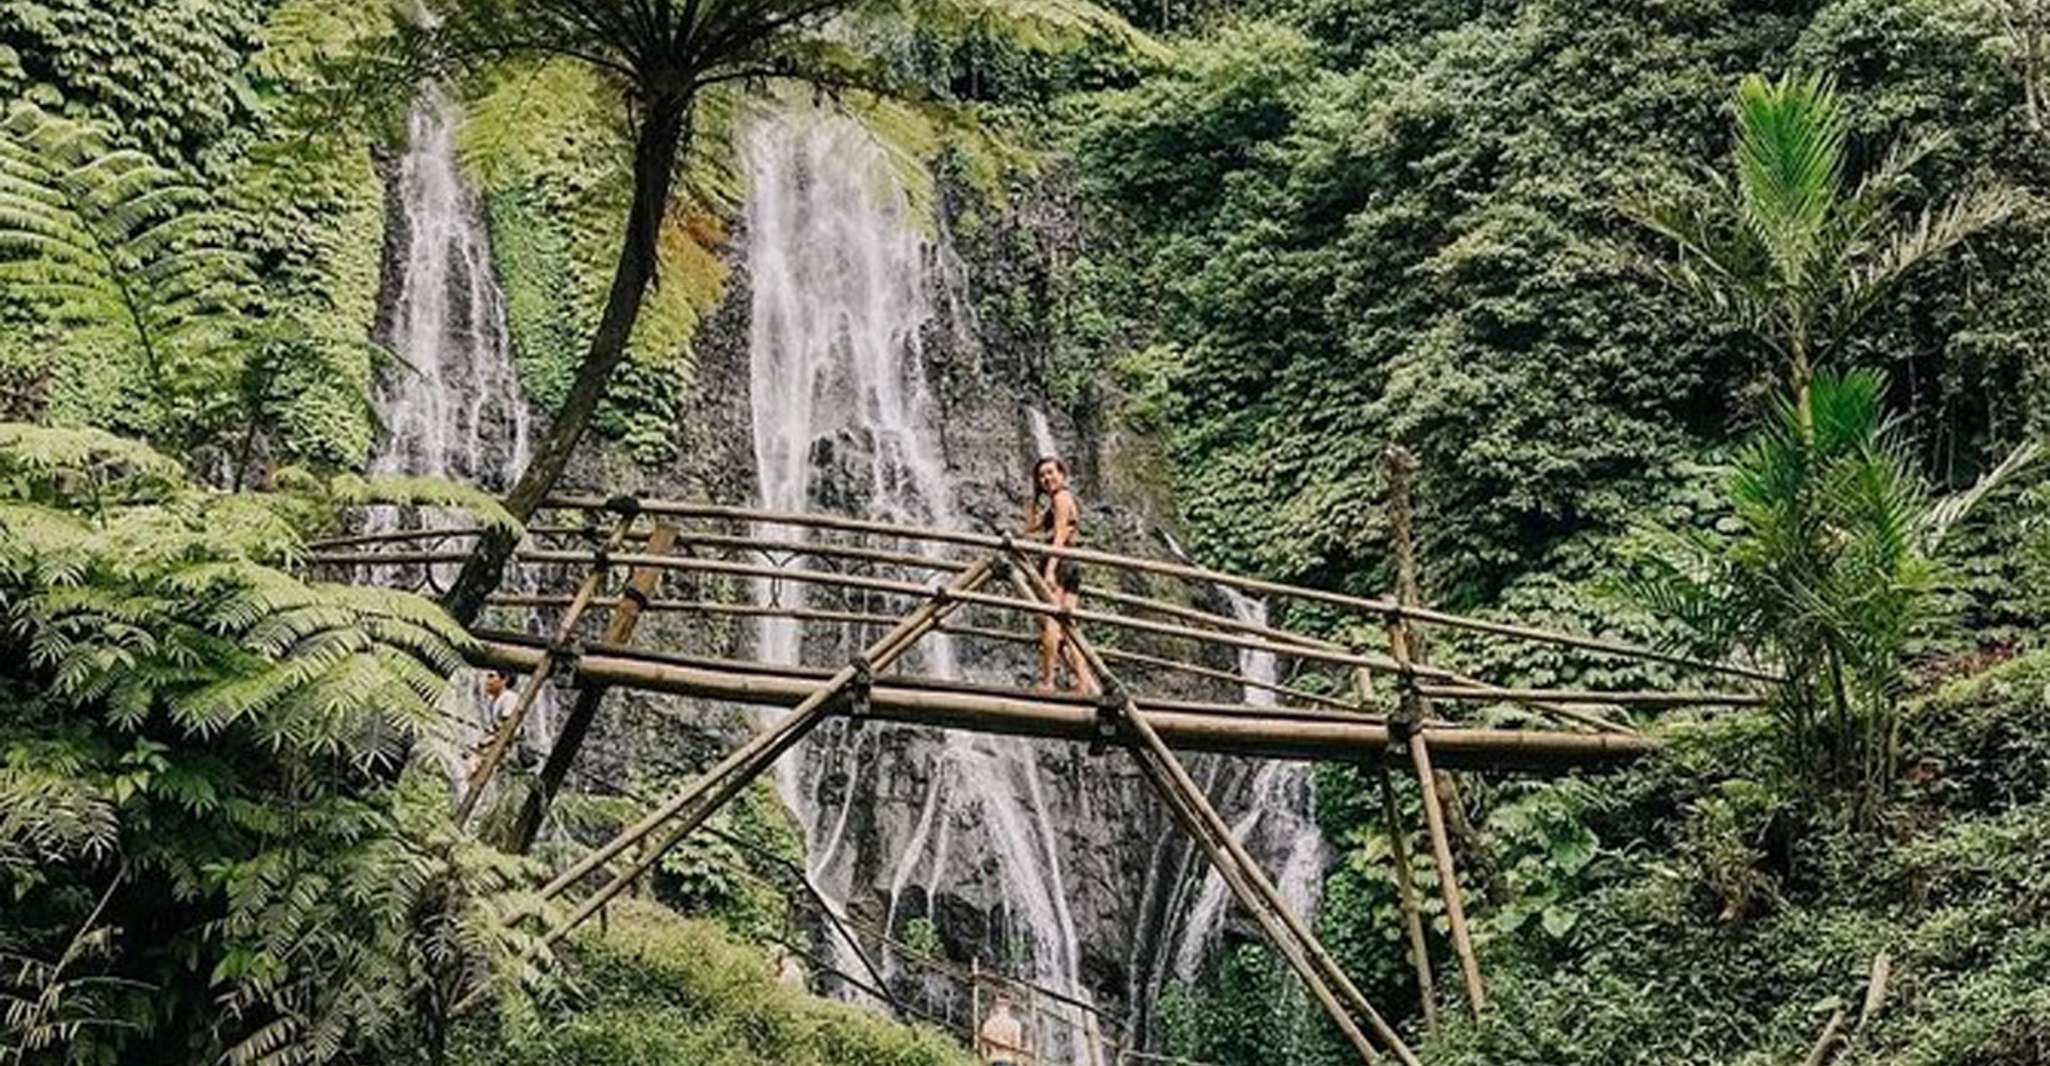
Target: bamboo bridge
(1374,701)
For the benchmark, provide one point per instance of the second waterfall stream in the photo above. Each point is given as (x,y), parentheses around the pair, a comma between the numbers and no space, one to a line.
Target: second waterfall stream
(845,288)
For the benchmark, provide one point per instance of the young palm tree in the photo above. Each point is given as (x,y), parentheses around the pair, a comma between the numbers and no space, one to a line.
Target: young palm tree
(1783,247)
(662,54)
(1828,571)
(1826,574)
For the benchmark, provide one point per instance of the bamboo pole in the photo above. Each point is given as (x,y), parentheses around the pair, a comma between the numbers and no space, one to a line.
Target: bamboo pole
(1412,911)
(641,583)
(1063,718)
(1408,651)
(1448,878)
(911,589)
(1249,897)
(1462,689)
(808,614)
(690,806)
(1255,891)
(1569,696)
(496,644)
(508,728)
(1469,688)
(1381,607)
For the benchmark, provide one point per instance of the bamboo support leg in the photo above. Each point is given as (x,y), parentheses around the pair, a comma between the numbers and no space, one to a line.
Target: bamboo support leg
(1412,912)
(1256,892)
(1257,905)
(508,728)
(1408,652)
(1448,878)
(641,584)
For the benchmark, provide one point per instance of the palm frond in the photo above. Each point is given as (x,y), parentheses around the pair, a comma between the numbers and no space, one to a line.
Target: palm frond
(1935,232)
(1944,515)
(1790,159)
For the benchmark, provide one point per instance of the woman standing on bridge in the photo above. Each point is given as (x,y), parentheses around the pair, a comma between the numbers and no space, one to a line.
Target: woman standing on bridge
(1060,522)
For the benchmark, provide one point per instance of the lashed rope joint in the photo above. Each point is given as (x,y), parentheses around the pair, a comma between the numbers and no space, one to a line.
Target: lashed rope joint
(1408,719)
(1110,715)
(565,655)
(860,690)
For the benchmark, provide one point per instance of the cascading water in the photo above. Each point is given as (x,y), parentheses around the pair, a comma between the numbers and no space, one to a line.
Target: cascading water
(1278,824)
(459,414)
(455,410)
(1043,443)
(844,290)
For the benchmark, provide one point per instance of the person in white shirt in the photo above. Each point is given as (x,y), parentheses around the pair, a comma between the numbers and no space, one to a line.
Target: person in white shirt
(1001,1041)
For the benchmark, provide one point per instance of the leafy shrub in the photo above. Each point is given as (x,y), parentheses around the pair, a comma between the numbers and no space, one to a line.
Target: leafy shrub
(658,988)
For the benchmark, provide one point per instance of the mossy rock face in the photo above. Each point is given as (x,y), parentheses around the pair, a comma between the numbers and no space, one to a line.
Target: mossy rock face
(658,988)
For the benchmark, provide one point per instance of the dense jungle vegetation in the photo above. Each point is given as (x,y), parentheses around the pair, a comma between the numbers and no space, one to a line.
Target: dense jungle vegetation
(1715,324)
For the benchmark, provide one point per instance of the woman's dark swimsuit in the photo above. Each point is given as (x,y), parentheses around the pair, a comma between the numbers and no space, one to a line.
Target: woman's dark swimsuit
(1067,574)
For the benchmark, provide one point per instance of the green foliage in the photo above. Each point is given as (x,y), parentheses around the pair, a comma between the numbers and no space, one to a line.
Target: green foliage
(150,300)
(556,182)
(1730,929)
(203,778)
(1342,257)
(1362,221)
(743,868)
(1824,573)
(1251,1010)
(655,988)
(165,77)
(130,265)
(1786,252)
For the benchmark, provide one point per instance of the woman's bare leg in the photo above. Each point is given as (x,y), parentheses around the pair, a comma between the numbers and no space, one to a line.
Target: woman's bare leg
(1049,651)
(1085,678)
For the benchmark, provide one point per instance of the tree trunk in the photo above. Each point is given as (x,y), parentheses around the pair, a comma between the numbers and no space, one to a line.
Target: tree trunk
(656,149)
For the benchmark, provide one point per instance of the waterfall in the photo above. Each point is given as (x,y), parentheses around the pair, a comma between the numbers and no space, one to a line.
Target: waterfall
(459,414)
(1043,443)
(845,290)
(455,409)
(1278,824)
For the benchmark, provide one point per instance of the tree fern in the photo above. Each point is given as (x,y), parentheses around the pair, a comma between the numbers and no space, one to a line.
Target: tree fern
(185,707)
(132,261)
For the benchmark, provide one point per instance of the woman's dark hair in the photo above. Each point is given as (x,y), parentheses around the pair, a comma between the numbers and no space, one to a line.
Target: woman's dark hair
(1059,464)
(1032,515)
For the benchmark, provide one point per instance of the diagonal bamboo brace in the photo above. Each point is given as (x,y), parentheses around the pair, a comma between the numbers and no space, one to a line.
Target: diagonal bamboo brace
(509,727)
(1249,897)
(1448,877)
(690,806)
(1255,891)
(641,584)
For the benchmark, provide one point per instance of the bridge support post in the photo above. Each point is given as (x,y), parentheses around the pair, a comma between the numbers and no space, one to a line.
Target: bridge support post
(641,583)
(689,807)
(1193,812)
(508,728)
(1407,651)
(1412,912)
